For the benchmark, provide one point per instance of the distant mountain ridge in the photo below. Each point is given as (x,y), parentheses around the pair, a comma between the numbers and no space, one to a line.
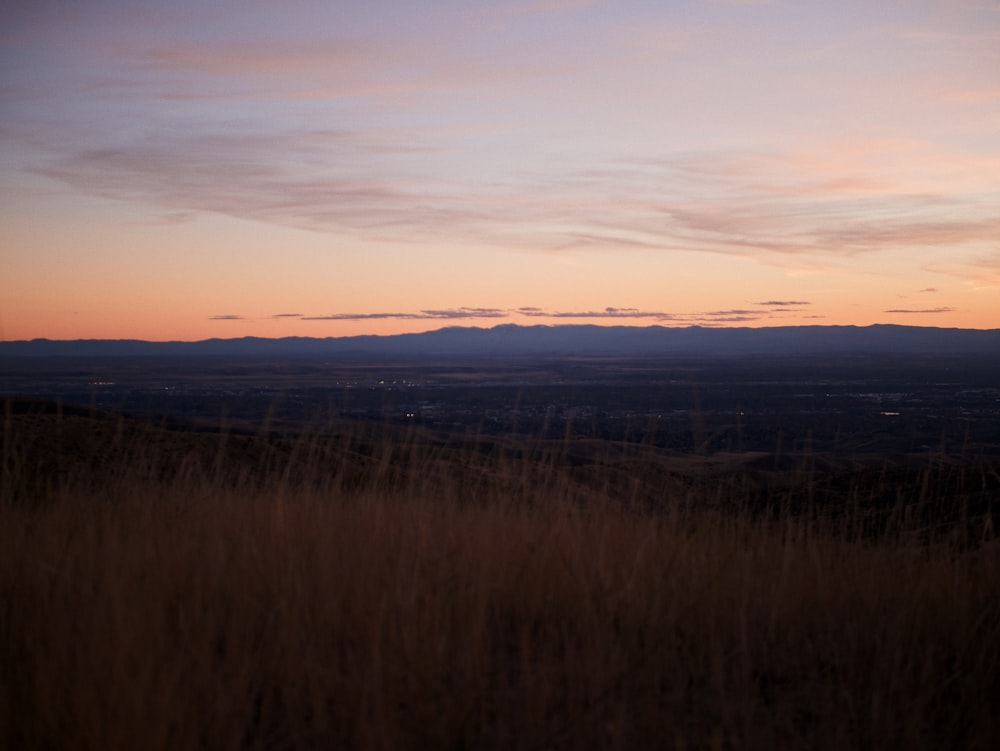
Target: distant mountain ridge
(513,339)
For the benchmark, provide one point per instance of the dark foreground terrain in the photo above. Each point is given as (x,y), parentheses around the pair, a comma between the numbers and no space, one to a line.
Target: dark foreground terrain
(593,553)
(808,428)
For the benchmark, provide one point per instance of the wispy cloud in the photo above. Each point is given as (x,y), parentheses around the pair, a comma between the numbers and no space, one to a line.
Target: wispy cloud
(713,317)
(979,271)
(227,317)
(714,206)
(362,317)
(547,6)
(604,314)
(923,310)
(423,315)
(466,313)
(710,321)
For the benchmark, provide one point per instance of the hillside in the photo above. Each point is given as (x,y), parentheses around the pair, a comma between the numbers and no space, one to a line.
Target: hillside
(510,339)
(373,586)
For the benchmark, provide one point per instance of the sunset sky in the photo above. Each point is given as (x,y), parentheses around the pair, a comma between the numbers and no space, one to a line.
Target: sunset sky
(186,170)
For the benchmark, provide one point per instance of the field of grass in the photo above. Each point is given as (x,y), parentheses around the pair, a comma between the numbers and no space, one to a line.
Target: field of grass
(374,587)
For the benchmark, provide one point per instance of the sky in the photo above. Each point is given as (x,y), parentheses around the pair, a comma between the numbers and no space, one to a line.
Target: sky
(179,170)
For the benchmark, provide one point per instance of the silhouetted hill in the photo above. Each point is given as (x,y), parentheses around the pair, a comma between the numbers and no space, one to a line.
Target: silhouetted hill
(511,339)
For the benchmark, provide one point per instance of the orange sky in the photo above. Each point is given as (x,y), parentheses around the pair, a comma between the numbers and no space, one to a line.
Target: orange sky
(321,170)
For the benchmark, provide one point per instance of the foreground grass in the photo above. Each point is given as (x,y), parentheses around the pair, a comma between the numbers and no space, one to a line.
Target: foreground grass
(433,612)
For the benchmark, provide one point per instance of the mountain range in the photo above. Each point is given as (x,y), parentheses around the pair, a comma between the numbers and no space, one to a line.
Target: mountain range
(511,339)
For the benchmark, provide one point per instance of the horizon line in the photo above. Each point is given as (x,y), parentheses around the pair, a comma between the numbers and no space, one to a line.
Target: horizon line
(507,325)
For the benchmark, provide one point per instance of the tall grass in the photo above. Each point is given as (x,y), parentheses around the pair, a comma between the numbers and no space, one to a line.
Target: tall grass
(232,592)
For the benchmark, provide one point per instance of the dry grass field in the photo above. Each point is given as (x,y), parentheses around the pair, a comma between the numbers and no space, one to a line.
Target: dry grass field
(374,588)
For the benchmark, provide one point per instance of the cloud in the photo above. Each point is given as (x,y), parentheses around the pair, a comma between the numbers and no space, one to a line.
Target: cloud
(253,57)
(708,320)
(783,303)
(659,316)
(235,175)
(981,272)
(465,313)
(547,6)
(865,235)
(608,312)
(360,316)
(359,183)
(925,310)
(340,57)
(789,204)
(928,289)
(423,315)
(227,317)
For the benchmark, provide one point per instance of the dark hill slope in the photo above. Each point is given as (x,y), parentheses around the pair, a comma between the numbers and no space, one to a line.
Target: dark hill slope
(509,339)
(50,450)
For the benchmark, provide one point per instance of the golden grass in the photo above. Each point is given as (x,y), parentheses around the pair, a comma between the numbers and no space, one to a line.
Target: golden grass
(451,597)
